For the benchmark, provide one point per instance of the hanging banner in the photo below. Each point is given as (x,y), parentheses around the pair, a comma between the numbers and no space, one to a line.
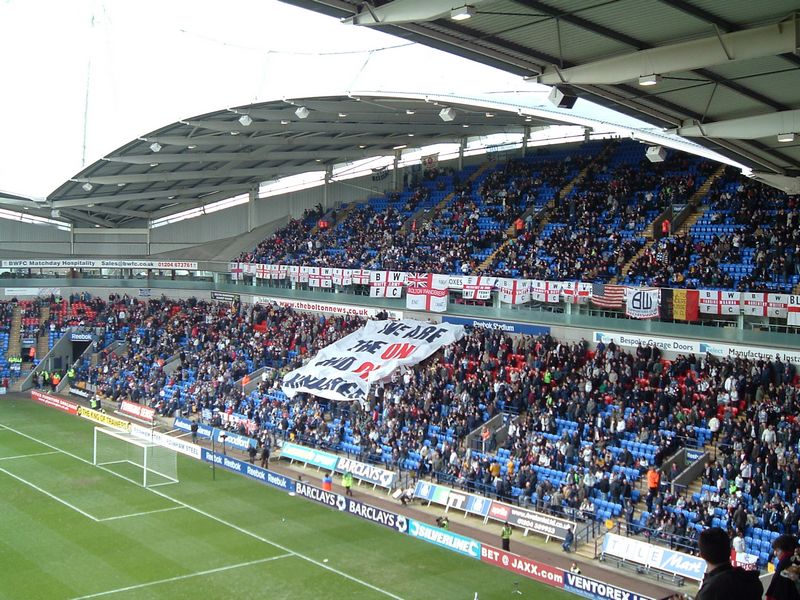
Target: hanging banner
(515,291)
(546,291)
(642,304)
(685,304)
(427,291)
(793,311)
(386,284)
(346,369)
(713,302)
(576,292)
(477,287)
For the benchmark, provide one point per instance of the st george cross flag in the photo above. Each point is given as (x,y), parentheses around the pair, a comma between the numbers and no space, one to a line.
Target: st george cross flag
(576,292)
(294,272)
(427,291)
(608,296)
(515,291)
(477,287)
(545,291)
(342,277)
(713,302)
(754,303)
(305,273)
(237,273)
(793,311)
(314,277)
(263,272)
(776,305)
(386,284)
(360,276)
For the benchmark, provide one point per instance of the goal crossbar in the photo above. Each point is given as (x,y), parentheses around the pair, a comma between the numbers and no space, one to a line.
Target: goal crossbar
(142,461)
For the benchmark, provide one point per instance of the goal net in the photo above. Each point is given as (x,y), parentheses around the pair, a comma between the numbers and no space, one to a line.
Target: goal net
(141,461)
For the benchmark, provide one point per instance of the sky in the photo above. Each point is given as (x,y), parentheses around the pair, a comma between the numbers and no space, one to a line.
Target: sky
(83,77)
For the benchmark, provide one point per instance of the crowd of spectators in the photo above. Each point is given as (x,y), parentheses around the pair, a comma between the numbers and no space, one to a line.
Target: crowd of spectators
(748,241)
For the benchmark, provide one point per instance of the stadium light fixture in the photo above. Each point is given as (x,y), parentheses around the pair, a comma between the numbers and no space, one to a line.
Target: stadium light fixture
(651,79)
(462,13)
(302,112)
(246,120)
(785,137)
(447,114)
(284,121)
(155,147)
(410,112)
(87,187)
(400,147)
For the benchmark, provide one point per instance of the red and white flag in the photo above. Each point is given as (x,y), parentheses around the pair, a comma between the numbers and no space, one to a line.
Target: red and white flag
(294,272)
(754,303)
(314,276)
(776,305)
(545,291)
(427,291)
(713,302)
(263,272)
(237,272)
(342,276)
(477,287)
(515,291)
(576,292)
(360,276)
(386,284)
(793,311)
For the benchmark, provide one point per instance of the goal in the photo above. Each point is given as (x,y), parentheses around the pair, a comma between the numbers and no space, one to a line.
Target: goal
(144,462)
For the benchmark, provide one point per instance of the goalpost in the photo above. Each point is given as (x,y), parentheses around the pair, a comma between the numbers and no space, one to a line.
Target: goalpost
(144,462)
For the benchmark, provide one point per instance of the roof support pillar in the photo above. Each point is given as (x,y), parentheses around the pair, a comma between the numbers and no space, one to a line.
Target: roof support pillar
(396,168)
(526,134)
(326,186)
(462,145)
(251,208)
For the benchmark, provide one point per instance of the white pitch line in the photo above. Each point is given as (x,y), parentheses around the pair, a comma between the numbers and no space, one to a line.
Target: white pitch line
(227,523)
(182,577)
(139,514)
(27,455)
(49,495)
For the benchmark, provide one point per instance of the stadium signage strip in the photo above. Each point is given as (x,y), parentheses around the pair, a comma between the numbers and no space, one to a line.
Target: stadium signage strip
(353,507)
(173,443)
(103,418)
(55,402)
(327,307)
(501,326)
(345,369)
(235,440)
(444,538)
(97,263)
(523,566)
(250,471)
(33,291)
(139,411)
(654,557)
(309,456)
(684,346)
(76,336)
(597,590)
(469,503)
(76,391)
(366,472)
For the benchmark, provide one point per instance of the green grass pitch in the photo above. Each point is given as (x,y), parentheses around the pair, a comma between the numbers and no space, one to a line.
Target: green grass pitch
(70,530)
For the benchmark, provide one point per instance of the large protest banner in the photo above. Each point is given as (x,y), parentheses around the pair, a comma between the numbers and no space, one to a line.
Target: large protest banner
(346,369)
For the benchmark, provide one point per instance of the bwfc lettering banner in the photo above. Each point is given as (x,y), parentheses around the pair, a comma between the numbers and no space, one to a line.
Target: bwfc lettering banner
(387,284)
(345,369)
(236,270)
(642,304)
(477,288)
(713,302)
(545,291)
(427,291)
(515,291)
(342,277)
(576,292)
(764,305)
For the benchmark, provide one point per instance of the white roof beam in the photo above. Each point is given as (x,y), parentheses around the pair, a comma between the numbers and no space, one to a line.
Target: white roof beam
(746,128)
(151,196)
(406,11)
(769,40)
(162,177)
(333,127)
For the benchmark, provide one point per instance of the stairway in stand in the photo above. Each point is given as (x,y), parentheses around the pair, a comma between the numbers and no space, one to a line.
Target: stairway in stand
(546,212)
(421,216)
(15,333)
(43,341)
(699,211)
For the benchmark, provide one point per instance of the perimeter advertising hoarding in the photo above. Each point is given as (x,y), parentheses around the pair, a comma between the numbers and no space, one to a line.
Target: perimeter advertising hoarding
(501,326)
(654,557)
(251,471)
(55,402)
(530,520)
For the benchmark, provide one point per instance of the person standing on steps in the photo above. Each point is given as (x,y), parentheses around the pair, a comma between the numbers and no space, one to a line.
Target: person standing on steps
(505,536)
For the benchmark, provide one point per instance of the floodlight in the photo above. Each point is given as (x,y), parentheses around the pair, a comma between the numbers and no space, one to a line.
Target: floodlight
(245,120)
(447,114)
(87,187)
(462,13)
(302,112)
(652,79)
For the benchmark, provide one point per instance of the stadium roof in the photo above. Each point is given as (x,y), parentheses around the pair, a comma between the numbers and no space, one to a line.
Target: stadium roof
(726,74)
(226,153)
